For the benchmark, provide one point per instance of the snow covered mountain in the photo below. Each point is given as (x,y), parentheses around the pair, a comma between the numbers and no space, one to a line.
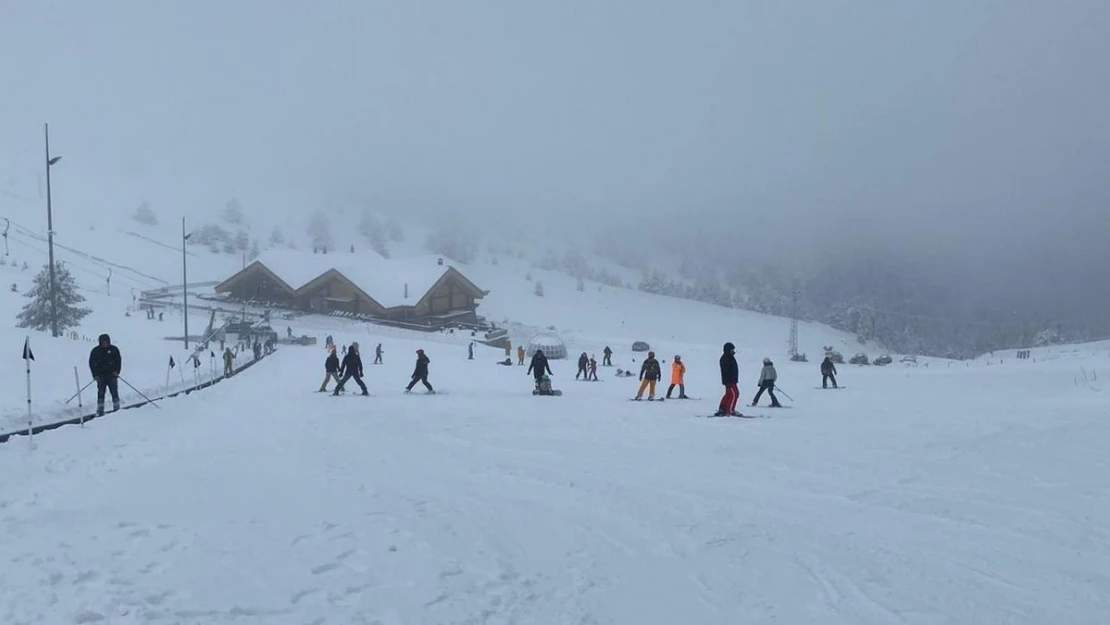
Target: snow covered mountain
(928,492)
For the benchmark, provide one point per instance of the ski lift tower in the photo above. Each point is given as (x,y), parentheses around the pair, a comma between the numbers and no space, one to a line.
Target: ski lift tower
(795,311)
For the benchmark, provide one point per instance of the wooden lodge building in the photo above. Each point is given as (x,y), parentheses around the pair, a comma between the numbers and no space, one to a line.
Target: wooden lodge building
(422,291)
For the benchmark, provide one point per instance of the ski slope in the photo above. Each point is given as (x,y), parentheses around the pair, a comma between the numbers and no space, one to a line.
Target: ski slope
(943,494)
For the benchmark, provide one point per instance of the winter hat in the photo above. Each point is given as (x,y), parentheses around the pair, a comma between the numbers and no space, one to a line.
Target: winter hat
(766,361)
(651,354)
(420,351)
(104,337)
(729,347)
(677,358)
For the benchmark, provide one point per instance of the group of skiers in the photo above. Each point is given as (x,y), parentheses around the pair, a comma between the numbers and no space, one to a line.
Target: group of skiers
(351,368)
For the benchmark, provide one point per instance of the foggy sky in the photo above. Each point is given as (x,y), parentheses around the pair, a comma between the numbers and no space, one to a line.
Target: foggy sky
(962,129)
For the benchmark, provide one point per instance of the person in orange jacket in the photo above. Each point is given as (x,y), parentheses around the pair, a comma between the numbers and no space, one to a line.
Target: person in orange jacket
(678,378)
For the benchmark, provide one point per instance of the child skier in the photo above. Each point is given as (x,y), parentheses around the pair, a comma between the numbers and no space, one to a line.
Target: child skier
(420,373)
(678,378)
(767,377)
(331,370)
(593,369)
(649,376)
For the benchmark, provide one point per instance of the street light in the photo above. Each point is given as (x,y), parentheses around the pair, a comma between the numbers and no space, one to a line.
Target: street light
(50,235)
(185,281)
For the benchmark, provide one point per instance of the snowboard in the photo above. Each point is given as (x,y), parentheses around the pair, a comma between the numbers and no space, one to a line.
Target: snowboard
(554,393)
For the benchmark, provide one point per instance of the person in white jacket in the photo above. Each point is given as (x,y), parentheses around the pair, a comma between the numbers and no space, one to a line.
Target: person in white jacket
(767,379)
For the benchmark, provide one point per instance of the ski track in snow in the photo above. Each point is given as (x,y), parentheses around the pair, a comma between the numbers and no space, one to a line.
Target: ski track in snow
(255,502)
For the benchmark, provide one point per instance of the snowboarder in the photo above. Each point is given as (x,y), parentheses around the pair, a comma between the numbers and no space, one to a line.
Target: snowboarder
(539,367)
(730,378)
(607,357)
(828,372)
(649,376)
(470,351)
(593,369)
(229,361)
(520,355)
(351,368)
(289,331)
(105,363)
(678,378)
(331,371)
(767,377)
(378,354)
(583,367)
(420,373)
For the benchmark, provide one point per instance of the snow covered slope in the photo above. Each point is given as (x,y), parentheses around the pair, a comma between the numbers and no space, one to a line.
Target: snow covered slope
(942,494)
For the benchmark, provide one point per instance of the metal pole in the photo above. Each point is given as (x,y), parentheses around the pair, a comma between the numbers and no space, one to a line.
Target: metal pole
(184,283)
(50,239)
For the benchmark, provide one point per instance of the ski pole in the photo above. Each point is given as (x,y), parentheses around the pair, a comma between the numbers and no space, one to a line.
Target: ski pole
(149,400)
(779,389)
(79,391)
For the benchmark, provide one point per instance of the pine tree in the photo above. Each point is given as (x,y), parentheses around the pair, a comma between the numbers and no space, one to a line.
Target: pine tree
(233,213)
(144,214)
(373,229)
(319,228)
(394,229)
(539,288)
(255,253)
(276,237)
(36,314)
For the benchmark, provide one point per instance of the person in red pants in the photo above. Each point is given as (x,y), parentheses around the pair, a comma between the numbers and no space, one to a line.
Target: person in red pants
(730,378)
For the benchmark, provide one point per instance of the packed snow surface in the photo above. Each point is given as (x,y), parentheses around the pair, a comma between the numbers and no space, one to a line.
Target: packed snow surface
(962,493)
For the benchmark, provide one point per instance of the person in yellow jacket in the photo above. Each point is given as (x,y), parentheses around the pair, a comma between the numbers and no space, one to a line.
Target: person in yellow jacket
(520,354)
(678,378)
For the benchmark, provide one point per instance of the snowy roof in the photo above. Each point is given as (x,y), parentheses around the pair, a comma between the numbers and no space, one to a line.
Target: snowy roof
(381,278)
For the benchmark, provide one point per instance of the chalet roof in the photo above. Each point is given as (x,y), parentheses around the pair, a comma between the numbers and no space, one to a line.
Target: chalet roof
(381,278)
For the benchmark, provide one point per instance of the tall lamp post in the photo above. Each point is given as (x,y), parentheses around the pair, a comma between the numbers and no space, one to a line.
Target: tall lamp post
(50,235)
(185,280)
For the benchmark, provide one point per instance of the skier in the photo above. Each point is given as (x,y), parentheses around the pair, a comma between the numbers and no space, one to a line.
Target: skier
(828,372)
(105,363)
(520,355)
(470,351)
(378,354)
(767,377)
(351,368)
(331,370)
(649,376)
(593,369)
(539,367)
(420,373)
(607,357)
(229,360)
(583,367)
(730,378)
(678,378)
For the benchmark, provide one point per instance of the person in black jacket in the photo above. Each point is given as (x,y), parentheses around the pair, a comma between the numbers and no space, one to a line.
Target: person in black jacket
(607,357)
(351,368)
(538,367)
(331,370)
(420,373)
(828,372)
(105,363)
(730,378)
(583,367)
